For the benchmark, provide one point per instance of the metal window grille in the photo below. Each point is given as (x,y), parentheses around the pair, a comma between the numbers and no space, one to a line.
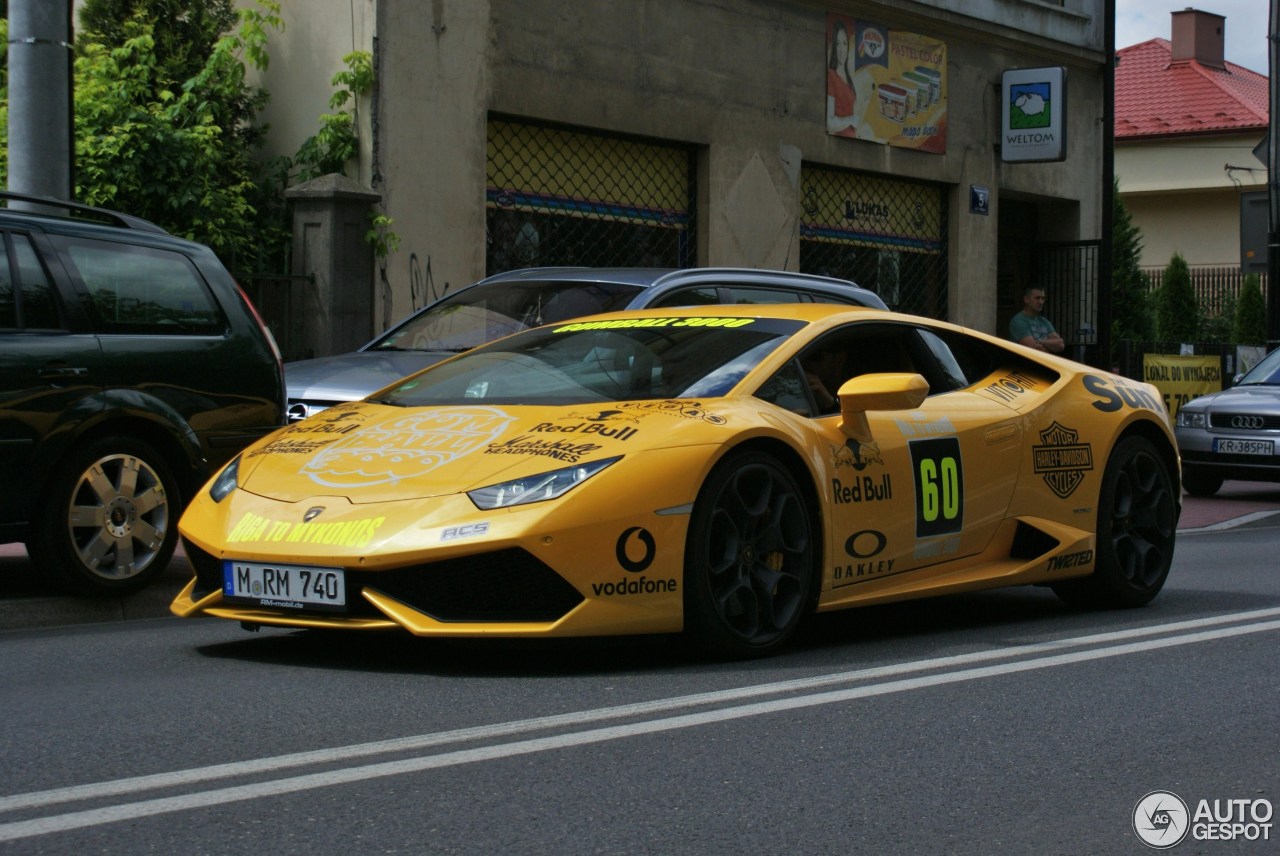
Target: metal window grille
(885,234)
(1069,274)
(558,196)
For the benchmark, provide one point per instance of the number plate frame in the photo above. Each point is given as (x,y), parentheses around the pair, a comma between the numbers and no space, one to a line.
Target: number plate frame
(1233,446)
(285,586)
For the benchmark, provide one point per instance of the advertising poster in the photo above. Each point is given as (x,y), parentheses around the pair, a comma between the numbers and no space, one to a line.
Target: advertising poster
(886,86)
(1182,378)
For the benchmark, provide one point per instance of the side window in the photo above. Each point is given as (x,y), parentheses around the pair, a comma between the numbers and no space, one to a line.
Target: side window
(690,297)
(28,303)
(787,390)
(740,294)
(8,304)
(144,290)
(953,376)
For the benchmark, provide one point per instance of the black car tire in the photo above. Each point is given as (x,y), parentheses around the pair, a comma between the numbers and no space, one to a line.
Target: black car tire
(1137,525)
(110,520)
(1199,484)
(751,558)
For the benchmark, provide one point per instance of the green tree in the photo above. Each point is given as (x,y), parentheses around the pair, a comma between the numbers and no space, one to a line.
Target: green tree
(1177,313)
(169,133)
(1250,326)
(1130,314)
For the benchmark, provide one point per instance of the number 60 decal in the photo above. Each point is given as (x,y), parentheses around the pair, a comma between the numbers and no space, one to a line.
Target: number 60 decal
(939,478)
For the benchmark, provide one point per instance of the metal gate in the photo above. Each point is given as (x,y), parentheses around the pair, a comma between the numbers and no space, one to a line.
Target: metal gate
(559,196)
(1069,274)
(883,233)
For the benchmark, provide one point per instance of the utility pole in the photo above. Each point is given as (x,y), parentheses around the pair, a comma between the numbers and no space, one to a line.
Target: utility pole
(40,98)
(1273,180)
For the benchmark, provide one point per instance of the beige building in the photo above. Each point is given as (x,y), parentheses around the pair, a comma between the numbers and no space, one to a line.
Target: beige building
(507,133)
(1187,124)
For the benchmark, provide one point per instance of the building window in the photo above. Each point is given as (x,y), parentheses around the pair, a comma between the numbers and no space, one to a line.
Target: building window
(885,234)
(558,196)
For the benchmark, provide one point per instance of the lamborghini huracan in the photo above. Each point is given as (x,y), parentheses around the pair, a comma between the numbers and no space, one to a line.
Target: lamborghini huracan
(722,471)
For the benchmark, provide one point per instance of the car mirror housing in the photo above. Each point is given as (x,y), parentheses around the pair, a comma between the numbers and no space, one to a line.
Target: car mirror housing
(896,391)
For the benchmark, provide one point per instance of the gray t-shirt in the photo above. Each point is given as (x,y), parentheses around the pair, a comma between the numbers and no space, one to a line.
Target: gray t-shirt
(1023,325)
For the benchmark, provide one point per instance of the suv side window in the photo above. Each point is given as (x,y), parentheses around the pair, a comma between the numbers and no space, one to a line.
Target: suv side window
(26,294)
(742,294)
(137,289)
(706,296)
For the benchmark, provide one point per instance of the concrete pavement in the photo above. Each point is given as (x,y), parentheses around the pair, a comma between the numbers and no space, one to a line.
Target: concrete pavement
(29,601)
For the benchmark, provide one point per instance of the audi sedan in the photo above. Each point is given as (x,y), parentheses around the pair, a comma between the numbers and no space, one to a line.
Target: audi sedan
(1233,434)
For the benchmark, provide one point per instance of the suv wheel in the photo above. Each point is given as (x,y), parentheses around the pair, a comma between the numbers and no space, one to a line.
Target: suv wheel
(111,518)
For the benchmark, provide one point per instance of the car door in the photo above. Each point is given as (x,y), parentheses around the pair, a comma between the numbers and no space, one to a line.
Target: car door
(170,347)
(928,486)
(50,372)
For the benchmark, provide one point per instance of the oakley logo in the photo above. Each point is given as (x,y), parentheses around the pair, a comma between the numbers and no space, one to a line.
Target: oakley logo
(1247,422)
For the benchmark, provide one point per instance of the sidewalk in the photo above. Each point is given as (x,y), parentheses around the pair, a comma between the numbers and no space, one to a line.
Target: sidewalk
(28,601)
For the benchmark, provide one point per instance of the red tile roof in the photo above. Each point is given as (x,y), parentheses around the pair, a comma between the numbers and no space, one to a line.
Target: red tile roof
(1156,98)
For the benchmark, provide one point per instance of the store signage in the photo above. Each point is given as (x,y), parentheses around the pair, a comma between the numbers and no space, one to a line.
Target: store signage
(1032,111)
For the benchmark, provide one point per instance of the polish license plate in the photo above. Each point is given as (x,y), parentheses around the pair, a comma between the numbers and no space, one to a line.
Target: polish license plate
(285,586)
(1244,447)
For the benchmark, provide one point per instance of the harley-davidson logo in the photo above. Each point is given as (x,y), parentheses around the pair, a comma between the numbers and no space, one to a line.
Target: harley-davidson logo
(1062,461)
(407,446)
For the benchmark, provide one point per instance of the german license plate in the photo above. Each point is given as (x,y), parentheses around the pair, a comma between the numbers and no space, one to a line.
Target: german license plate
(285,586)
(1244,447)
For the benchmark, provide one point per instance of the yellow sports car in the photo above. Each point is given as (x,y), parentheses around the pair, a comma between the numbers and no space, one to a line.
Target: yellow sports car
(720,470)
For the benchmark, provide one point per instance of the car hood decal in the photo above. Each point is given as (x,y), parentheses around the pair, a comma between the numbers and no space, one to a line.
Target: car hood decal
(375,453)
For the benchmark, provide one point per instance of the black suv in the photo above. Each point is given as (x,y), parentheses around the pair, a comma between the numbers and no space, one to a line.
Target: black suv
(131,367)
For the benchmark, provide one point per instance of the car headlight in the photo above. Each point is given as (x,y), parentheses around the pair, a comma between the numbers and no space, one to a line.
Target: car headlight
(1190,418)
(536,488)
(227,481)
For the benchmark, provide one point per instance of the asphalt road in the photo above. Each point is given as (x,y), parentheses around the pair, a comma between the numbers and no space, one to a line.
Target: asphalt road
(1001,722)
(29,601)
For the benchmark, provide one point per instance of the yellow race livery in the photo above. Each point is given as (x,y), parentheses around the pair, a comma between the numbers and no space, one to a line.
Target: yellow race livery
(721,470)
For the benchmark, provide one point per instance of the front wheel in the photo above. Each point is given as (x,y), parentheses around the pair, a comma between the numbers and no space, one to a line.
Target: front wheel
(109,524)
(1137,524)
(751,559)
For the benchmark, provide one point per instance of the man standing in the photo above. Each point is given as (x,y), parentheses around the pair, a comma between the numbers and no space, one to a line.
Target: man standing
(1029,327)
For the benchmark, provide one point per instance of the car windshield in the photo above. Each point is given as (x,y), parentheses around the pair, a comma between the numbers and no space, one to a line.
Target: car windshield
(1267,371)
(592,361)
(488,311)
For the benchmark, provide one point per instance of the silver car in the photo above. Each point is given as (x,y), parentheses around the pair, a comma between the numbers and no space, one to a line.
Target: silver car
(510,302)
(1233,434)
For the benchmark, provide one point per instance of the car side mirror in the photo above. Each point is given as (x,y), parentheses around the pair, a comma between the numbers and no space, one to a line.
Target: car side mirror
(896,391)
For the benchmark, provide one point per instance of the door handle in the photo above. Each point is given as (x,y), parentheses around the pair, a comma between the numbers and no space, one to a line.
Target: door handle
(63,373)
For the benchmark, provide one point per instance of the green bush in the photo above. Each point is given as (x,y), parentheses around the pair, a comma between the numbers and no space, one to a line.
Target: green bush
(1250,327)
(1130,314)
(1177,313)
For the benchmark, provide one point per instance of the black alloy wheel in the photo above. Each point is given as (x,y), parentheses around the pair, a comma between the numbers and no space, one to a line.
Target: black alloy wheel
(1137,525)
(751,560)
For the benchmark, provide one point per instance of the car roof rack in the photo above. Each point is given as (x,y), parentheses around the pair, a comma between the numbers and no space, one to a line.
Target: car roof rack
(127,221)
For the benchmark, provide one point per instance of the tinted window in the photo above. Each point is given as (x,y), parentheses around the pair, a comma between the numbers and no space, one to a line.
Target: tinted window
(29,303)
(690,297)
(489,311)
(144,290)
(594,362)
(738,294)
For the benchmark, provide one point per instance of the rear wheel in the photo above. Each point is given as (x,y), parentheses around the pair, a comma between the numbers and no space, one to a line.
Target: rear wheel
(751,560)
(109,523)
(1137,524)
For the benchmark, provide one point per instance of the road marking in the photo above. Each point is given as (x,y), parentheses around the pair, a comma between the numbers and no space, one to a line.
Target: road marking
(1233,523)
(1114,642)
